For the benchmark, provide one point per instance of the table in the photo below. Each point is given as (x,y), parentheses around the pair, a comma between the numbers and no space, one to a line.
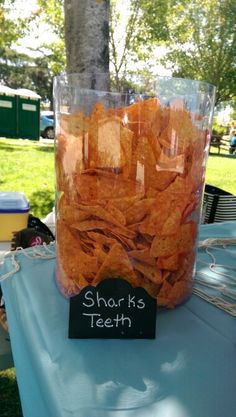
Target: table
(189,370)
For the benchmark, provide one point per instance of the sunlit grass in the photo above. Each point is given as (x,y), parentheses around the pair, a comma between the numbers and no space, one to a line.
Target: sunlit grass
(28,166)
(221,171)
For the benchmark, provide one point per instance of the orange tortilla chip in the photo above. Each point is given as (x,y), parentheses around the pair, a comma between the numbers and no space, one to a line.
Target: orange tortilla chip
(99,185)
(172,223)
(164,246)
(126,140)
(116,264)
(102,240)
(181,242)
(75,123)
(73,157)
(171,295)
(151,287)
(110,144)
(126,242)
(185,269)
(155,145)
(74,262)
(174,163)
(116,213)
(69,213)
(179,291)
(100,212)
(193,202)
(142,255)
(165,289)
(134,227)
(133,119)
(138,210)
(100,254)
(89,225)
(151,111)
(171,263)
(149,271)
(144,162)
(180,131)
(163,179)
(178,189)
(124,203)
(142,117)
(153,223)
(99,113)
(165,117)
(187,238)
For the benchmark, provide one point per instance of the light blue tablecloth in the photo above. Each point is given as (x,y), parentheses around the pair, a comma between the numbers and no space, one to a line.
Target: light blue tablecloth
(189,370)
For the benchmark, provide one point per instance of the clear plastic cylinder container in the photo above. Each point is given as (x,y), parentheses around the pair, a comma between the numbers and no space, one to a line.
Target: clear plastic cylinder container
(130,172)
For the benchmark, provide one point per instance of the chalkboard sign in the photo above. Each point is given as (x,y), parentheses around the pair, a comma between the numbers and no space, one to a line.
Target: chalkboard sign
(112,310)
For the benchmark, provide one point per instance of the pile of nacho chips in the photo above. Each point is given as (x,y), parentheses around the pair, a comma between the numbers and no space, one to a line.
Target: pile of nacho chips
(129,184)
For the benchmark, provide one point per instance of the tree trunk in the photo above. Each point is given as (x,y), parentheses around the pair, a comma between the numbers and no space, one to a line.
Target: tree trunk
(87,39)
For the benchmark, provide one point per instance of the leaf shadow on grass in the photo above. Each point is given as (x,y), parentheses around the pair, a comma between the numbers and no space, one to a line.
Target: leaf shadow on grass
(41,202)
(17,148)
(10,148)
(49,149)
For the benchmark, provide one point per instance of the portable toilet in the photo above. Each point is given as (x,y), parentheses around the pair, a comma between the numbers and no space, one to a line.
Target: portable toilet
(8,112)
(28,114)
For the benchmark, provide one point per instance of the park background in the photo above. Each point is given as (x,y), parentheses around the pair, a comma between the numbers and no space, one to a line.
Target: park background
(193,39)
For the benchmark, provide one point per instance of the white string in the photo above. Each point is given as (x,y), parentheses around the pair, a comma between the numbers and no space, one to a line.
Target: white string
(215,265)
(226,247)
(16,268)
(217,301)
(206,278)
(206,244)
(46,247)
(38,252)
(222,289)
(214,283)
(217,242)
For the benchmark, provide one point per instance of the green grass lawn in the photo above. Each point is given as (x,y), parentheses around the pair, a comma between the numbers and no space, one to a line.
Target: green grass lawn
(29,167)
(221,171)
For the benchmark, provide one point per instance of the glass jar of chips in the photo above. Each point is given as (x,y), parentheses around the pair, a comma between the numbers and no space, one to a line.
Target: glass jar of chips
(130,169)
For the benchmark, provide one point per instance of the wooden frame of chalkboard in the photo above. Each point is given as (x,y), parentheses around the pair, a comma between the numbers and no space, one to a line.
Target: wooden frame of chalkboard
(112,310)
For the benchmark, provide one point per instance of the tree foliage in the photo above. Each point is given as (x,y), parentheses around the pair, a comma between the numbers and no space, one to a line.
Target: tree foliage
(10,30)
(123,35)
(200,36)
(52,12)
(134,35)
(33,70)
(12,64)
(22,71)
(53,56)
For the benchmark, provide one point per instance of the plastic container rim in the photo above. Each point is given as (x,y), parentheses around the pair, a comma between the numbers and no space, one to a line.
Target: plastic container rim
(74,76)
